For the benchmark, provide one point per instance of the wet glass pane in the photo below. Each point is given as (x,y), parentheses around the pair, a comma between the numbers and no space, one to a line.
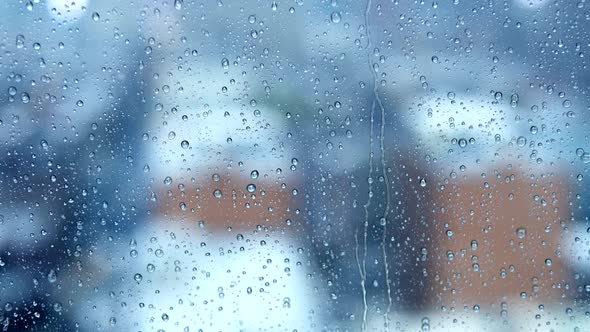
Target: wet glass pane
(294,165)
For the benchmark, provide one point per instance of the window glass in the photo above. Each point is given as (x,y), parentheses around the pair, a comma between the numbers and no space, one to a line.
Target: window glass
(294,165)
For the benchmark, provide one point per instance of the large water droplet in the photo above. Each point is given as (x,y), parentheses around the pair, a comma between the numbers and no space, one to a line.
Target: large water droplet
(335,17)
(225,63)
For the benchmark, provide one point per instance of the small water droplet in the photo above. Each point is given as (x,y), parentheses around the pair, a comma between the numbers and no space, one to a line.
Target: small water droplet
(12,90)
(20,41)
(462,142)
(521,232)
(52,276)
(25,98)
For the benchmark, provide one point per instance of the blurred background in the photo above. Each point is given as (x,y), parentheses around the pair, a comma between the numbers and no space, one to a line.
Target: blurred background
(294,165)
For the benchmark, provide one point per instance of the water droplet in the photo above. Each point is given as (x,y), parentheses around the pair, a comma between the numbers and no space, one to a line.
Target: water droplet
(521,141)
(521,232)
(225,63)
(335,17)
(462,142)
(450,255)
(217,193)
(178,4)
(423,183)
(20,41)
(184,144)
(95,16)
(12,90)
(254,175)
(138,277)
(251,188)
(52,276)
(24,97)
